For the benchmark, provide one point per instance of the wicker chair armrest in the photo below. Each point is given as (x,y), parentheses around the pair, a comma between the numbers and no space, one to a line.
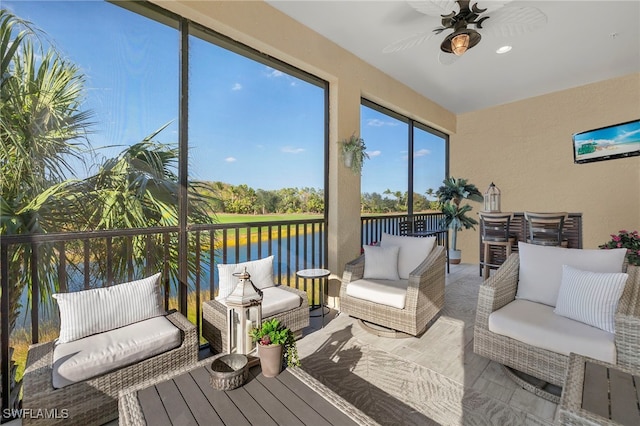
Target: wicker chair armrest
(430,272)
(188,329)
(38,377)
(353,270)
(627,321)
(303,294)
(498,290)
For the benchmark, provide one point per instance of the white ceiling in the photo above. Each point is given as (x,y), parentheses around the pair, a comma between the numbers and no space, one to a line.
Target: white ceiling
(583,42)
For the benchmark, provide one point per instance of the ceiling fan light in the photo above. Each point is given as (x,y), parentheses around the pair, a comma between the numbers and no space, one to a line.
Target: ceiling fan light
(460,44)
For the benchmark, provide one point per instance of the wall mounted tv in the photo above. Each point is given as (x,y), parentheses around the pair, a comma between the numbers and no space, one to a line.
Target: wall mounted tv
(618,141)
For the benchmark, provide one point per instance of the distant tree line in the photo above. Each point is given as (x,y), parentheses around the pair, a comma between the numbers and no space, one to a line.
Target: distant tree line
(242,199)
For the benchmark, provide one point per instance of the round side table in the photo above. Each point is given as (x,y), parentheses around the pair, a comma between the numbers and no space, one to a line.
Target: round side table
(316,274)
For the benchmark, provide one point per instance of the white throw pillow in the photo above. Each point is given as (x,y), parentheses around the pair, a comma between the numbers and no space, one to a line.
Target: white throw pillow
(87,312)
(381,262)
(540,272)
(590,297)
(261,272)
(413,250)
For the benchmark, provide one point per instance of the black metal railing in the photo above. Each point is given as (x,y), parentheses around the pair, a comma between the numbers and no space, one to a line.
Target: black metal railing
(373,226)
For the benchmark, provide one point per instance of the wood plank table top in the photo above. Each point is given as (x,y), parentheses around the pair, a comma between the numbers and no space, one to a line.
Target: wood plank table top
(187,398)
(596,392)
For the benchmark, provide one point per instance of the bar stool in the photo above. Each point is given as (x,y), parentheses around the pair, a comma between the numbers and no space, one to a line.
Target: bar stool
(545,229)
(495,232)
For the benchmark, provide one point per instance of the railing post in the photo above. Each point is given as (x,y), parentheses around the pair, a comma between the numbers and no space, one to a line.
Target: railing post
(35,294)
(4,308)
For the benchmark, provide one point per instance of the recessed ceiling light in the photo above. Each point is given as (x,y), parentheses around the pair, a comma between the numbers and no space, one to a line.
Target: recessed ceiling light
(503,49)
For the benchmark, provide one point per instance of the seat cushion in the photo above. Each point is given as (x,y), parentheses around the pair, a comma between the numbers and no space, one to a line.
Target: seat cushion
(413,250)
(87,312)
(384,292)
(92,356)
(540,271)
(275,300)
(535,324)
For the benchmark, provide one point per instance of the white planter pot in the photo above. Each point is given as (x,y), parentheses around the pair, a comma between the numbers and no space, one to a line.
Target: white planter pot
(455,256)
(348,158)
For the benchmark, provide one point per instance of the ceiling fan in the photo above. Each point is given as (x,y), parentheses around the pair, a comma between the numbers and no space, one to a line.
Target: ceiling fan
(491,17)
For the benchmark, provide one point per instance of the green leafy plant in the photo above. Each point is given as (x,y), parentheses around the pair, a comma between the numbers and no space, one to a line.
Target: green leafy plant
(271,332)
(450,196)
(628,240)
(354,148)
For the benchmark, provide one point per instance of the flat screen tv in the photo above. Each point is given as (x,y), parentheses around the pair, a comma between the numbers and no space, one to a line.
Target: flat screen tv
(618,141)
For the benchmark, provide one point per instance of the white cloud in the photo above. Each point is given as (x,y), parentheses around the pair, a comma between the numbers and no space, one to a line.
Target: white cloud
(291,150)
(421,153)
(374,153)
(236,86)
(231,159)
(375,122)
(274,73)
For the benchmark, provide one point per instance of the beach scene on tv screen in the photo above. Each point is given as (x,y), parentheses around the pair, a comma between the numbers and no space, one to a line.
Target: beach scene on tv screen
(619,140)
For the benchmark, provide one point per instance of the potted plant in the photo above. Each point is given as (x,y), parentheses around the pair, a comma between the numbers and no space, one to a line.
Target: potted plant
(450,196)
(628,240)
(275,342)
(353,153)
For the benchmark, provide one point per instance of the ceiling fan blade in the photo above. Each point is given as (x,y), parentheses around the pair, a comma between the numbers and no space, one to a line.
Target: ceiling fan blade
(447,58)
(515,21)
(434,7)
(408,42)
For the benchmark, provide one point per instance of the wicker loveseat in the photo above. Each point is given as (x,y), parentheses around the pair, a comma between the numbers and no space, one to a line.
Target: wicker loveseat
(500,291)
(423,301)
(95,401)
(110,338)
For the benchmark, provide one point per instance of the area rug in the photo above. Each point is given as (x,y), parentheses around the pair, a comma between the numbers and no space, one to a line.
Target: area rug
(377,375)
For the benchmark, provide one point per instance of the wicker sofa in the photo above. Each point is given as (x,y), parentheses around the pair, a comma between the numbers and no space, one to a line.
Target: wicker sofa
(500,290)
(424,296)
(95,401)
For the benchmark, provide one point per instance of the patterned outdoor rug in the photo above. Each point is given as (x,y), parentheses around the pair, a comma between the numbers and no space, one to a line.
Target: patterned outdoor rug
(395,391)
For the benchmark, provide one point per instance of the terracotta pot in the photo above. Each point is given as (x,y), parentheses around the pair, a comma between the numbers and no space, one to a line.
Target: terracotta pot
(270,359)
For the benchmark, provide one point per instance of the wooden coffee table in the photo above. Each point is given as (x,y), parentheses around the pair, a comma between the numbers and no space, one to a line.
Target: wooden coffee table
(596,392)
(187,397)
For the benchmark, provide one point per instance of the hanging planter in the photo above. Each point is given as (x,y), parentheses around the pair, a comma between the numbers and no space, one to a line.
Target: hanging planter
(353,153)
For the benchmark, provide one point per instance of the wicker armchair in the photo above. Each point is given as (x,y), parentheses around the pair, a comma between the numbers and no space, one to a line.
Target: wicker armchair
(95,401)
(214,319)
(424,299)
(549,366)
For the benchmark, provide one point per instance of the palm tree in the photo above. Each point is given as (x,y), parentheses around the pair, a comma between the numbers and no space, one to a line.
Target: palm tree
(450,195)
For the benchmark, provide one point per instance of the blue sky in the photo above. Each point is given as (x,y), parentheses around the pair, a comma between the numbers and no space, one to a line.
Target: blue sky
(249,123)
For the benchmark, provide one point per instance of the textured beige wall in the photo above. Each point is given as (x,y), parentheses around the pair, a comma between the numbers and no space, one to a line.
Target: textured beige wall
(525,148)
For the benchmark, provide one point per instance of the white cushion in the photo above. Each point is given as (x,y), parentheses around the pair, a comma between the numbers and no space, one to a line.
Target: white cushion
(383,292)
(275,300)
(535,324)
(261,272)
(87,312)
(540,272)
(381,262)
(590,297)
(92,356)
(413,251)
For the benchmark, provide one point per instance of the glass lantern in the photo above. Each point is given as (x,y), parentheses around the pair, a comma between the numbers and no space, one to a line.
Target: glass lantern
(244,312)
(492,199)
